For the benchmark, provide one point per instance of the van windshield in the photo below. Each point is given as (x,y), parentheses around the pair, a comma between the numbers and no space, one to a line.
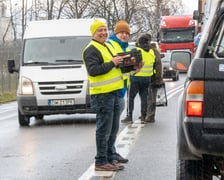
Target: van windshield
(60,50)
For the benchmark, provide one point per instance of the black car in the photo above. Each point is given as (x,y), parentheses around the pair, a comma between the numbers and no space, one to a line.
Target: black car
(168,70)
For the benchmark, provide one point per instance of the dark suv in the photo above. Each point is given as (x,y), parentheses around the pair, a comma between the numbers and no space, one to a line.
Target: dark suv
(200,118)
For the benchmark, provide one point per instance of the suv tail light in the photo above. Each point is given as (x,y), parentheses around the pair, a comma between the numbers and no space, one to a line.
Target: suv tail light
(195,99)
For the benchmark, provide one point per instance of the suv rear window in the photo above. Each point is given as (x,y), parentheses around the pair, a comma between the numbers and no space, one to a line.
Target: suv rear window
(216,45)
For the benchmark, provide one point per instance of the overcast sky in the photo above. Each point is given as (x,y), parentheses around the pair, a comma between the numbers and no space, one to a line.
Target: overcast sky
(190,5)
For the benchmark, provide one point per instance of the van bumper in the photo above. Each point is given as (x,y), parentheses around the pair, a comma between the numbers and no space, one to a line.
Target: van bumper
(28,106)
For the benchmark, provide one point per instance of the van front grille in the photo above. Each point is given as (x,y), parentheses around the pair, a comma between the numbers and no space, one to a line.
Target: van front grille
(60,87)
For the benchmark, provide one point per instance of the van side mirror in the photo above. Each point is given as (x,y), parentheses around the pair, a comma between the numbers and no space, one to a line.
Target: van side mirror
(181,60)
(196,15)
(11,66)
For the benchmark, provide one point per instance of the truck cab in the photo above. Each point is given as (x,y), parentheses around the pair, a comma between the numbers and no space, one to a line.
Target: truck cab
(177,33)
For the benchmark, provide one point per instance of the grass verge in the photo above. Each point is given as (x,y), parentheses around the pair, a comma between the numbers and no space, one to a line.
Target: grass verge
(7,97)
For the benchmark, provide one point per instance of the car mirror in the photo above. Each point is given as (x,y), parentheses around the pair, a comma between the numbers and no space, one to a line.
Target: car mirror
(11,66)
(196,15)
(181,60)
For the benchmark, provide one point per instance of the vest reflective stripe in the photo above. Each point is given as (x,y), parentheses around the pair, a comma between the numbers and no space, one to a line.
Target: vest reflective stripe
(146,71)
(105,82)
(111,81)
(149,69)
(148,59)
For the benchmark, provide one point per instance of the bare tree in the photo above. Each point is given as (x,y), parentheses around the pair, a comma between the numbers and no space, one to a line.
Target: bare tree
(142,15)
(62,5)
(50,5)
(12,15)
(76,9)
(147,19)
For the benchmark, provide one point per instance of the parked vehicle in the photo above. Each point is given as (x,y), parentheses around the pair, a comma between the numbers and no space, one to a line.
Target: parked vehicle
(168,70)
(52,77)
(177,33)
(132,45)
(200,117)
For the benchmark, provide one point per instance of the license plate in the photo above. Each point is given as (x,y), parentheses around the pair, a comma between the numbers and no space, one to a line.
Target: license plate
(61,102)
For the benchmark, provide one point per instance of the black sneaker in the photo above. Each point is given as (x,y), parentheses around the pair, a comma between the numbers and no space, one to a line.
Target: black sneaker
(128,119)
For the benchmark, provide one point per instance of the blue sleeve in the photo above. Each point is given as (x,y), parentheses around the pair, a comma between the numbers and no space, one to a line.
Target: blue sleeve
(123,90)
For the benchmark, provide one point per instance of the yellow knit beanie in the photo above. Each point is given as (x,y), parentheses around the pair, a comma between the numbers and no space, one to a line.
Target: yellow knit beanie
(95,25)
(122,26)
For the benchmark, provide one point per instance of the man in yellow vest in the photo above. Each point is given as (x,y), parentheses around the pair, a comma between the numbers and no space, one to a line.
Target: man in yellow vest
(156,82)
(105,80)
(118,40)
(140,81)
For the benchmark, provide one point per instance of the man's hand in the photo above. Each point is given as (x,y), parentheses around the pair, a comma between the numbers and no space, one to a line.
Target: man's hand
(118,60)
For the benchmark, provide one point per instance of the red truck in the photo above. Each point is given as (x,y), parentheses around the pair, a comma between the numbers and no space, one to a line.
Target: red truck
(177,33)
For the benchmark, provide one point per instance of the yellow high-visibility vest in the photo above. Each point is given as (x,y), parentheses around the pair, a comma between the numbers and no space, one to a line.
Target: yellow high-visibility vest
(148,59)
(108,82)
(117,48)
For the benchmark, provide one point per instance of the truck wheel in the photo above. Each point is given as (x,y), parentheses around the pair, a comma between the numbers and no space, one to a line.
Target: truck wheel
(23,120)
(193,170)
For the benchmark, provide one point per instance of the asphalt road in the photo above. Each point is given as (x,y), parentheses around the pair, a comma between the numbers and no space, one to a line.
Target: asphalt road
(62,147)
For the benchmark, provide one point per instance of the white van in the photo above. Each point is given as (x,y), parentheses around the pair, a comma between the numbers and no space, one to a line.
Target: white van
(52,77)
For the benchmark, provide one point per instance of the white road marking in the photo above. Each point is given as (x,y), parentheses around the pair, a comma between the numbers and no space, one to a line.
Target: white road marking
(174,91)
(125,141)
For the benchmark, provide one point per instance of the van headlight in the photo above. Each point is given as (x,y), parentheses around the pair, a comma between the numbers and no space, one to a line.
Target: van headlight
(26,86)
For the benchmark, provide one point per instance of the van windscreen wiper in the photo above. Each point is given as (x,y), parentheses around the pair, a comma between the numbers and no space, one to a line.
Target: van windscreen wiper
(38,63)
(69,61)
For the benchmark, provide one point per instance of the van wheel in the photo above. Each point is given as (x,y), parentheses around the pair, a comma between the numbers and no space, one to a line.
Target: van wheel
(193,170)
(23,120)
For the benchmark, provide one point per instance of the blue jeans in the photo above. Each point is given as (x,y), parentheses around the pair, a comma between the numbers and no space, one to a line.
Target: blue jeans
(107,110)
(122,104)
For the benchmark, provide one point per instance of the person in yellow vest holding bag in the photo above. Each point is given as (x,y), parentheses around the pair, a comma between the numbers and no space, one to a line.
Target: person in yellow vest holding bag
(105,81)
(140,81)
(156,82)
(118,40)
